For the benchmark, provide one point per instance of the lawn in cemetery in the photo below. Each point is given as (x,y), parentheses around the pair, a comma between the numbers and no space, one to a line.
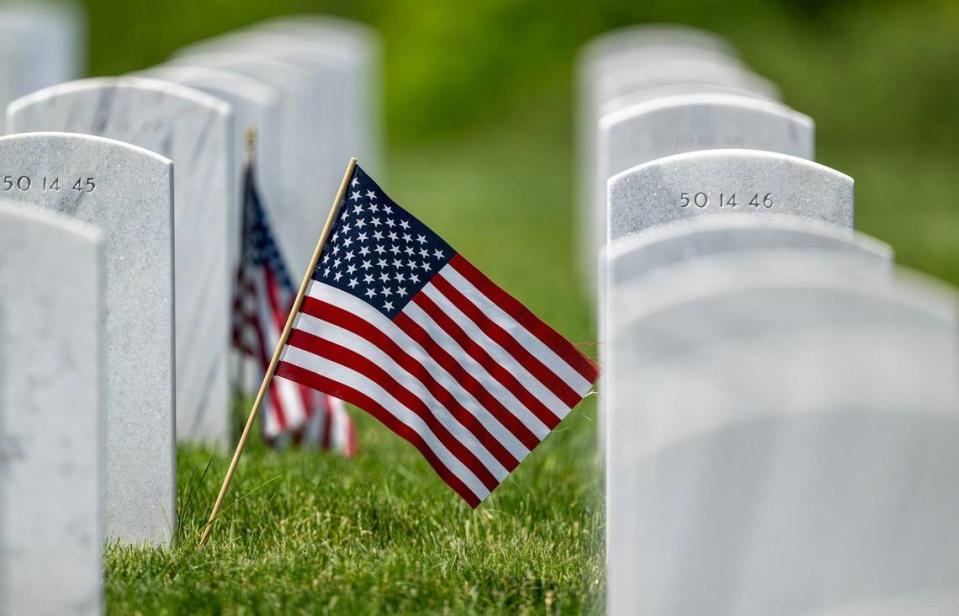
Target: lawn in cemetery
(478,103)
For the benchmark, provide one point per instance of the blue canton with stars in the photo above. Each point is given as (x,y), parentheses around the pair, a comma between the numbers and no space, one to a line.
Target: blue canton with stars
(377,251)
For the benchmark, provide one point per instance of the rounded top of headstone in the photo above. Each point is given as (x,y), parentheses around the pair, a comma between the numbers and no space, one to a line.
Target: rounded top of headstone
(66,143)
(637,255)
(723,182)
(21,221)
(322,30)
(39,13)
(678,89)
(704,100)
(149,87)
(646,36)
(322,25)
(202,77)
(630,78)
(749,292)
(772,333)
(272,44)
(327,48)
(244,61)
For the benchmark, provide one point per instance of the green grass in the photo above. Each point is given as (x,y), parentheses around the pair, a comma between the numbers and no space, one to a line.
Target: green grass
(478,109)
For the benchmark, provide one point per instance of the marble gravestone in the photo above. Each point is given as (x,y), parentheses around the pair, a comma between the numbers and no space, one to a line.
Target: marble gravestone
(11,54)
(721,182)
(333,116)
(57,33)
(627,49)
(630,258)
(51,433)
(642,63)
(41,44)
(615,46)
(782,441)
(357,53)
(672,90)
(127,193)
(682,71)
(195,131)
(650,256)
(673,125)
(343,56)
(256,106)
(294,216)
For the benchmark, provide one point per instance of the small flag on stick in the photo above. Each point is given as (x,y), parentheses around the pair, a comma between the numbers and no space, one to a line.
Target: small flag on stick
(263,298)
(390,318)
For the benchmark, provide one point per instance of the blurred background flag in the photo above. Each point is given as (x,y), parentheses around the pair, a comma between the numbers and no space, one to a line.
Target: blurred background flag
(263,298)
(397,323)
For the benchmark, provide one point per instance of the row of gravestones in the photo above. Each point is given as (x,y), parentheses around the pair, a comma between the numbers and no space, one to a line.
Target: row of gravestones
(780,405)
(120,203)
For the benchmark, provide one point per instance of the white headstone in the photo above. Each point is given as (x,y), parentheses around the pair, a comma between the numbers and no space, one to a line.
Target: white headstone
(335,70)
(639,63)
(41,44)
(12,57)
(256,105)
(721,182)
(195,131)
(673,39)
(51,430)
(127,193)
(783,442)
(357,50)
(670,90)
(632,257)
(300,213)
(681,71)
(649,257)
(673,125)
(629,49)
(327,123)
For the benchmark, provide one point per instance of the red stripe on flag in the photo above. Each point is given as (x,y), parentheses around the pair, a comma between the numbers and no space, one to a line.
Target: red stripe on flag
(342,318)
(501,337)
(467,381)
(355,361)
(479,354)
(328,424)
(353,396)
(280,317)
(273,402)
(351,445)
(547,335)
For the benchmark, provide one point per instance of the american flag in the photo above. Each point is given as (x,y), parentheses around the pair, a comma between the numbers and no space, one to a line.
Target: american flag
(263,298)
(395,322)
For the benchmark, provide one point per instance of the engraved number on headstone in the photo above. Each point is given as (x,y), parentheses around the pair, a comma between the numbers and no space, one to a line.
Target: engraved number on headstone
(88,185)
(25,183)
(724,200)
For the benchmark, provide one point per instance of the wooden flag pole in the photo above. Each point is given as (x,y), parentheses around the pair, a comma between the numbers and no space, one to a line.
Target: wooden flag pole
(264,386)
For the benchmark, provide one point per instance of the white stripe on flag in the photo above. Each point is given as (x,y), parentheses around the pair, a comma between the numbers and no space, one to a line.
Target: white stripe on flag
(500,355)
(531,343)
(347,339)
(288,392)
(351,378)
(493,386)
(376,319)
